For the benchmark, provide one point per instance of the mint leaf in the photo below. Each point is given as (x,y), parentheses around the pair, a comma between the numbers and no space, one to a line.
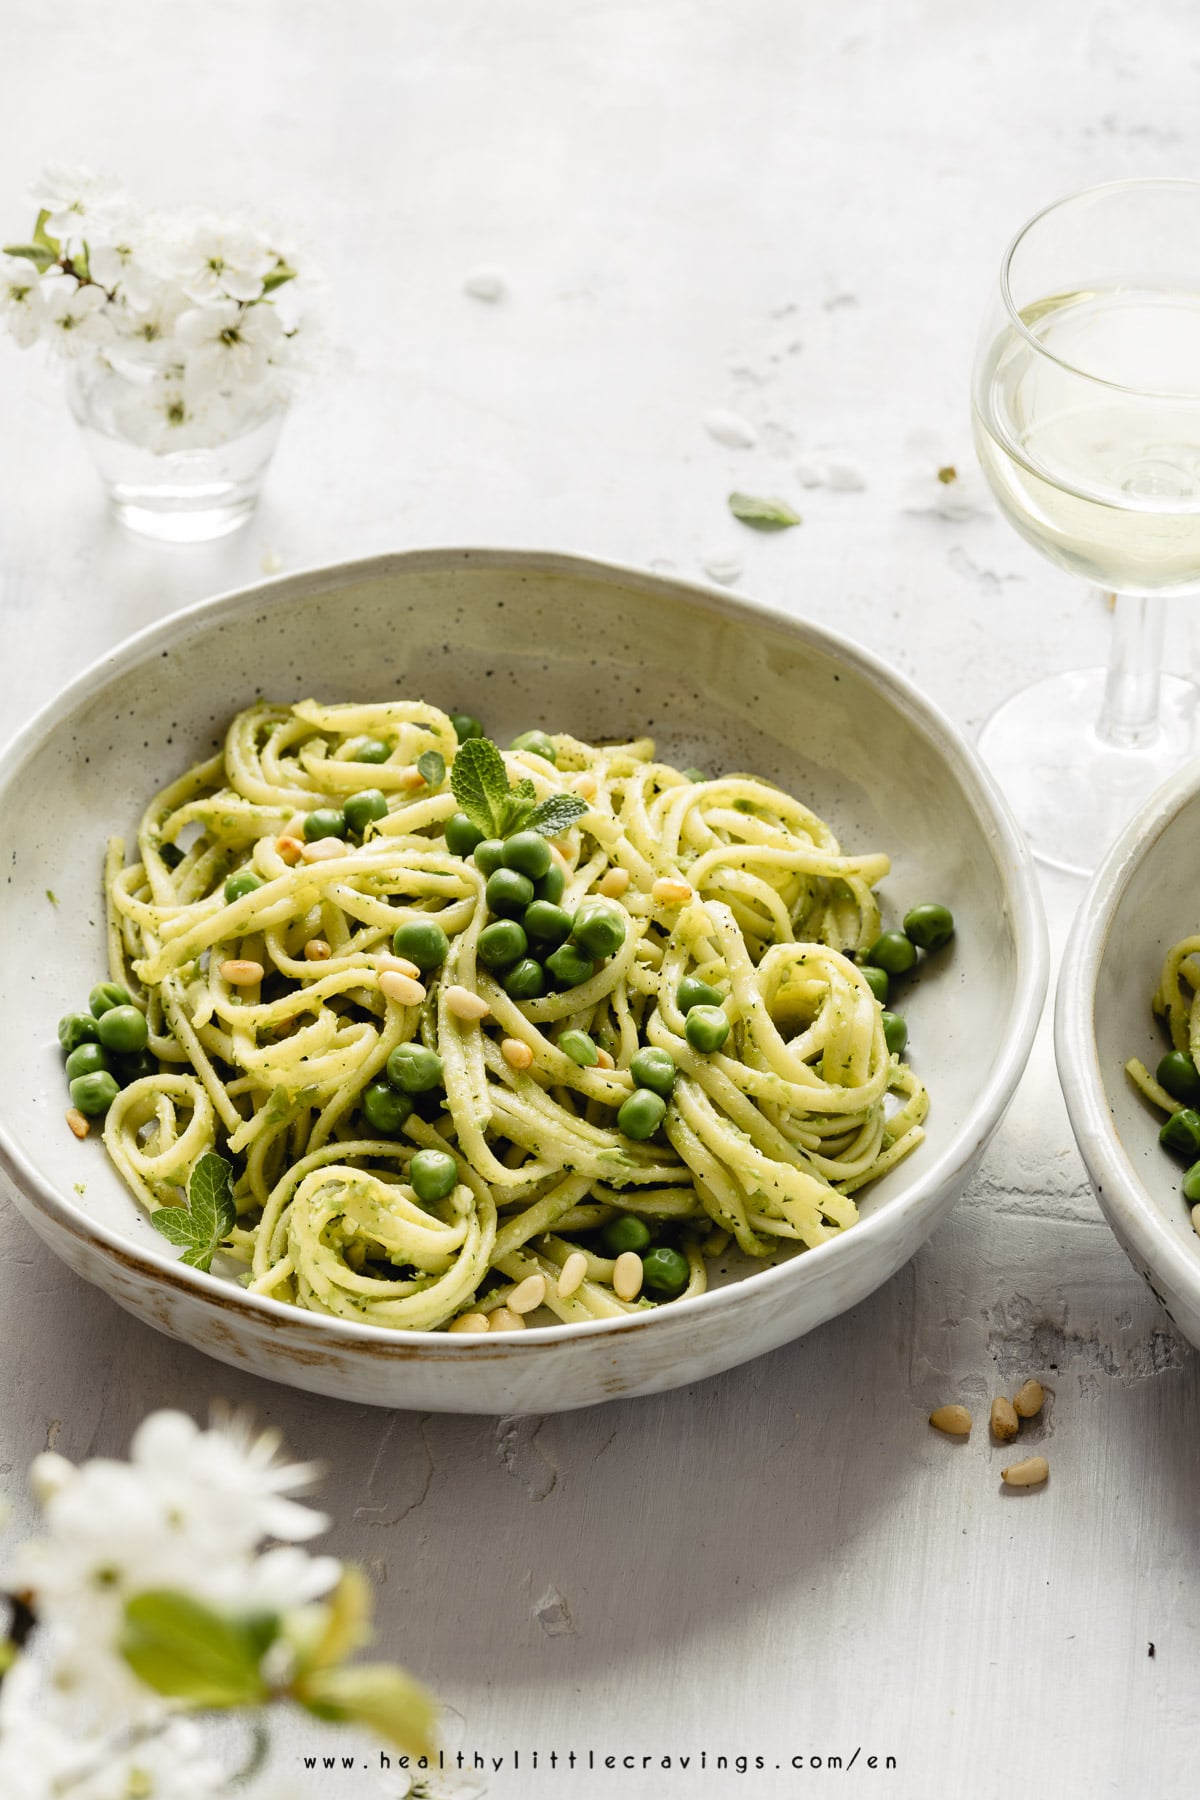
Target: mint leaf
(185,1651)
(37,254)
(763,515)
(557,814)
(432,766)
(479,782)
(517,807)
(209,1216)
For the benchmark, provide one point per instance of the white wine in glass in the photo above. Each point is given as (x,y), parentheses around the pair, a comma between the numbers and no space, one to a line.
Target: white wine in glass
(1087,424)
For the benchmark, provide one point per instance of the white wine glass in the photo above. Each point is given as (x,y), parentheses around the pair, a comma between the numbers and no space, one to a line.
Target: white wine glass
(1086,411)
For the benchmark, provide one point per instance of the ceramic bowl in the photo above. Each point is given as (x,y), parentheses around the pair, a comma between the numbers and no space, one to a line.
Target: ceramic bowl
(1143,898)
(518,639)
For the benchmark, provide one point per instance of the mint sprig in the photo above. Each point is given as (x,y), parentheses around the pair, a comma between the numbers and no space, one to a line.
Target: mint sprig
(480,784)
(209,1215)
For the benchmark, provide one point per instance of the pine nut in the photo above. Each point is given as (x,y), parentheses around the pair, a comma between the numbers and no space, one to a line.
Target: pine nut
(241,972)
(1005,1422)
(585,787)
(1029,1473)
(516,1054)
(290,849)
(614,884)
(627,1275)
(317,950)
(671,893)
(324,850)
(401,965)
(503,1320)
(527,1294)
(955,1421)
(466,1005)
(572,1274)
(79,1125)
(603,1059)
(1027,1401)
(470,1322)
(401,988)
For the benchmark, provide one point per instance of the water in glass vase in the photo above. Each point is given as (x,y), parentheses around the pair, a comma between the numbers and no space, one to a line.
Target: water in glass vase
(1090,434)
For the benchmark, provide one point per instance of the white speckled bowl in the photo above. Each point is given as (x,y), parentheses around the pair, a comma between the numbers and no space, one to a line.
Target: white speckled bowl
(1143,898)
(519,639)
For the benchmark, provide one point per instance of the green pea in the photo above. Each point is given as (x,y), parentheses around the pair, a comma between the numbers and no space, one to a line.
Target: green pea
(895,1033)
(893,952)
(75,1029)
(421,941)
(570,966)
(640,1117)
(1181,1133)
(433,1174)
(528,852)
(929,926)
(509,892)
(107,994)
(654,1069)
(877,981)
(1177,1073)
(538,742)
(133,1068)
(465,726)
(326,822)
(94,1094)
(123,1028)
(693,992)
(414,1069)
(86,1059)
(489,855)
(625,1232)
(360,809)
(244,882)
(1191,1184)
(599,928)
(551,885)
(526,980)
(461,836)
(706,1028)
(665,1271)
(580,1048)
(548,923)
(385,1109)
(373,750)
(502,944)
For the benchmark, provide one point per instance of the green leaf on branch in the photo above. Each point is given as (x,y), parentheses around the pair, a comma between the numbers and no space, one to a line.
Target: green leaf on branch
(432,765)
(42,236)
(38,254)
(185,1651)
(279,274)
(380,1696)
(556,814)
(210,1214)
(763,515)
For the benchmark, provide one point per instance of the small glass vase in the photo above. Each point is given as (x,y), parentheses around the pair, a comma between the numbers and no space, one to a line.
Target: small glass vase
(204,488)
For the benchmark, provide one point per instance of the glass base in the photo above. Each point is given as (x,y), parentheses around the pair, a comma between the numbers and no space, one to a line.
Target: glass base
(1072,792)
(170,524)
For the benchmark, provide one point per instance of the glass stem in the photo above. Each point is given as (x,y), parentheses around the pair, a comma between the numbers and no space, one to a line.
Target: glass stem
(1129,716)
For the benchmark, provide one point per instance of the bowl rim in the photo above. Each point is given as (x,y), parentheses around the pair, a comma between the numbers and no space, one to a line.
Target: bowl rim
(1124,1198)
(985,797)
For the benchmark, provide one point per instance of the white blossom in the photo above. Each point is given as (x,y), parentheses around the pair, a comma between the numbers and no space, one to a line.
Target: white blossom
(76,201)
(147,335)
(128,259)
(77,320)
(22,302)
(227,345)
(217,260)
(942,480)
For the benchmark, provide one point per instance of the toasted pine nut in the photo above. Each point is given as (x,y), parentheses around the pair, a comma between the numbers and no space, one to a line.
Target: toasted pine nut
(411,779)
(79,1125)
(324,849)
(241,972)
(1029,1473)
(955,1421)
(603,1059)
(572,1273)
(503,1320)
(290,849)
(1027,1401)
(527,1294)
(516,1054)
(470,1322)
(466,1005)
(671,893)
(317,950)
(585,787)
(401,965)
(401,988)
(627,1275)
(613,884)
(1005,1423)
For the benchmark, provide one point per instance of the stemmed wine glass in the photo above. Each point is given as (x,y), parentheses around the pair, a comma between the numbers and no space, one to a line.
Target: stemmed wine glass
(1086,407)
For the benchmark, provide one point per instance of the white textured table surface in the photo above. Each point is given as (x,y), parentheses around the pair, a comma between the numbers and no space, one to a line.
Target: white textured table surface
(795,212)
